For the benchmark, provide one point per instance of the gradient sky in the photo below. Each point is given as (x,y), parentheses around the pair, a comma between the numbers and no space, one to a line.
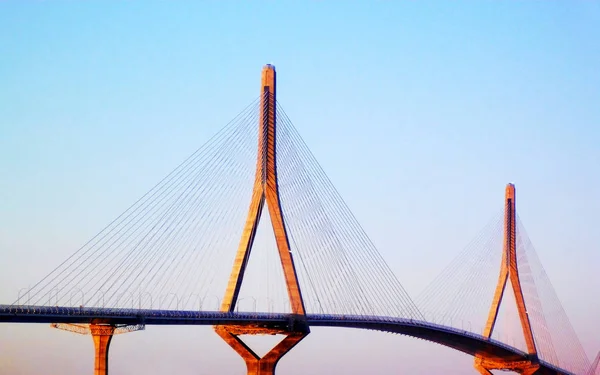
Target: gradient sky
(420,113)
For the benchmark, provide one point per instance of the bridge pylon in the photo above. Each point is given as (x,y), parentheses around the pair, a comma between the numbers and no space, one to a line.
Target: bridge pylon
(509,271)
(595,366)
(265,191)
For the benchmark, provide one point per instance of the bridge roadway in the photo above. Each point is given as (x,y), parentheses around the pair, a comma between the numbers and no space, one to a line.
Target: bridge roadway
(464,341)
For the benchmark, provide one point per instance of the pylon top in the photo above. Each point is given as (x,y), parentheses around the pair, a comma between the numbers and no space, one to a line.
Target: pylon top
(510,191)
(268,82)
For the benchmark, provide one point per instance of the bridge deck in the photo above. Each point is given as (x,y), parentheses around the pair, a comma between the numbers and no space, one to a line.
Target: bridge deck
(464,341)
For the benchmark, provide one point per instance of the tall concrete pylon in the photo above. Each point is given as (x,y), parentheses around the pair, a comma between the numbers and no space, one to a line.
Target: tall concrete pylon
(265,191)
(595,366)
(509,271)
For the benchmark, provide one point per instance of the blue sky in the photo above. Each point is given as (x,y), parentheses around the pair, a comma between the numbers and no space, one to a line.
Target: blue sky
(420,113)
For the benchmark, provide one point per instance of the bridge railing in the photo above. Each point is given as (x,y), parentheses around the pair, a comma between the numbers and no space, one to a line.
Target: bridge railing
(98,312)
(170,301)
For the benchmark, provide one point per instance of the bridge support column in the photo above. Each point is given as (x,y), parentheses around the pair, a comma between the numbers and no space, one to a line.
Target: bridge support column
(102,335)
(255,364)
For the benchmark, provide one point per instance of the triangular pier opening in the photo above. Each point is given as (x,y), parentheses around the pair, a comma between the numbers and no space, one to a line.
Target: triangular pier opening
(261,344)
(263,287)
(508,326)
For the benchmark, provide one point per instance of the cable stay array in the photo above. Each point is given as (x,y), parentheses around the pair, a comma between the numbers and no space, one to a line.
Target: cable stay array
(174,248)
(340,270)
(551,326)
(250,223)
(595,366)
(462,294)
(171,245)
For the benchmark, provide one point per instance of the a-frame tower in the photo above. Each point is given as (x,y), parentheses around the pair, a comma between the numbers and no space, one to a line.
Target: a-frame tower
(595,366)
(509,271)
(265,191)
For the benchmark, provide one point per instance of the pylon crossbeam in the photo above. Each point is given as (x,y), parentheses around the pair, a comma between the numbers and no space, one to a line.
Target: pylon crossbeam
(265,191)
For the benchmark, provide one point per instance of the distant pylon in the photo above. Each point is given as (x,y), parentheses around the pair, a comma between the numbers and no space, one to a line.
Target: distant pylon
(509,270)
(265,190)
(595,367)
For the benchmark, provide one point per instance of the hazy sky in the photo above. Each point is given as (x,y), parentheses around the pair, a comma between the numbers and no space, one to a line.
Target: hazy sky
(420,113)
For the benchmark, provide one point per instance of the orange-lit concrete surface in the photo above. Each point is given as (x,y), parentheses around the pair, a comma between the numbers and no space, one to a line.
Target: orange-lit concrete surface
(265,191)
(102,335)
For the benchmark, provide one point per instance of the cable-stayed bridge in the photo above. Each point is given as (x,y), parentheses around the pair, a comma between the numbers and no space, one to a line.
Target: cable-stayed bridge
(257,241)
